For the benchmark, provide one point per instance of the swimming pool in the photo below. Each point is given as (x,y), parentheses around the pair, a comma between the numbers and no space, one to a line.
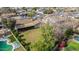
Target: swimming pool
(5,47)
(76,38)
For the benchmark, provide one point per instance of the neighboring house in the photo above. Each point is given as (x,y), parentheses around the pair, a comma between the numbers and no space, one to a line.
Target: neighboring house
(21,12)
(76,15)
(26,23)
(8,15)
(38,16)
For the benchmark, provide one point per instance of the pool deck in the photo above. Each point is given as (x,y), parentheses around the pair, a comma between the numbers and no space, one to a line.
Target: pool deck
(2,39)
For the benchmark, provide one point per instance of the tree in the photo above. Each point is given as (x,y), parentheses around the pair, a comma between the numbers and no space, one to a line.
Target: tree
(4,22)
(68,32)
(48,11)
(47,33)
(47,43)
(9,23)
(34,8)
(24,8)
(31,13)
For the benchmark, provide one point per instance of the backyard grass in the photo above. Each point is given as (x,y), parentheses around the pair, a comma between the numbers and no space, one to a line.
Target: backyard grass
(72,46)
(32,35)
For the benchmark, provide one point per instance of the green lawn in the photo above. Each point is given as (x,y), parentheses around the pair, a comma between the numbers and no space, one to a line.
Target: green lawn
(32,35)
(72,46)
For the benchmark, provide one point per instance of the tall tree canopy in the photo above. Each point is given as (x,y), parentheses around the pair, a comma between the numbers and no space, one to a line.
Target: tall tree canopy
(9,23)
(47,43)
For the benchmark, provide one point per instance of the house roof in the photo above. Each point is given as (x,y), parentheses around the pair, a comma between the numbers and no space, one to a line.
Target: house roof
(23,21)
(8,14)
(26,23)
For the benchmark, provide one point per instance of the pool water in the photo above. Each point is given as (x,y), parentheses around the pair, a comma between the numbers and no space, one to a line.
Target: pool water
(5,47)
(76,38)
